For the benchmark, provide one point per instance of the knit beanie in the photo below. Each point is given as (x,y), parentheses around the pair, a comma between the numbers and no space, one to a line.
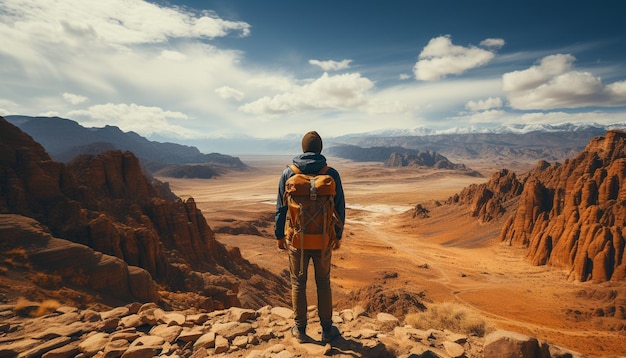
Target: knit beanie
(312,142)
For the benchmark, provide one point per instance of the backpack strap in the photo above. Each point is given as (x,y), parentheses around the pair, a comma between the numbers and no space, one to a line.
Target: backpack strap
(297,170)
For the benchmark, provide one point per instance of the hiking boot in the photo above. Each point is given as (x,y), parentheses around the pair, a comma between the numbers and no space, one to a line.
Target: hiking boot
(330,334)
(298,334)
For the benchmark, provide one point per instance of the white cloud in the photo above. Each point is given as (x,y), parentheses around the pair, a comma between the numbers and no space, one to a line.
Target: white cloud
(488,116)
(563,117)
(49,114)
(7,107)
(172,55)
(552,84)
(404,76)
(534,76)
(331,65)
(133,117)
(74,98)
(495,43)
(441,58)
(346,91)
(228,92)
(482,105)
(114,22)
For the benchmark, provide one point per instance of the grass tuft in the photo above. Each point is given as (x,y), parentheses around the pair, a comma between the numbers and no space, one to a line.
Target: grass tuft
(27,308)
(450,316)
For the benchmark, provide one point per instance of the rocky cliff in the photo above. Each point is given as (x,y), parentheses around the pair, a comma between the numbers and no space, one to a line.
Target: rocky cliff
(573,215)
(105,202)
(426,158)
(488,201)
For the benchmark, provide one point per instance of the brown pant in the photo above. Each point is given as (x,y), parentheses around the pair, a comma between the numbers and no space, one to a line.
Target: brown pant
(321,264)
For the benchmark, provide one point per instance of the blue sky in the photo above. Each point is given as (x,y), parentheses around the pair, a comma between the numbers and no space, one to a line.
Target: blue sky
(181,70)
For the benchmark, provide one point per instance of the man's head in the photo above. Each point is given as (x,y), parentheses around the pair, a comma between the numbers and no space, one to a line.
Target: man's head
(312,142)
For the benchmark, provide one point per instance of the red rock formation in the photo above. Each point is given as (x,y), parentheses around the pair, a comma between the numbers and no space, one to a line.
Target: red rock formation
(573,215)
(486,201)
(105,202)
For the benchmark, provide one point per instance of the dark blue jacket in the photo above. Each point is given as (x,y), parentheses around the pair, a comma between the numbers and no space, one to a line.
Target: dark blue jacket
(308,163)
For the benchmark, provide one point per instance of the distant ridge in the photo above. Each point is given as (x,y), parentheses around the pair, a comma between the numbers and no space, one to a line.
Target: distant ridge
(508,129)
(395,157)
(65,139)
(529,146)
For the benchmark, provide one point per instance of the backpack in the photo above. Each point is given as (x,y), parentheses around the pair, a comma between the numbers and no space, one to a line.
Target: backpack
(310,209)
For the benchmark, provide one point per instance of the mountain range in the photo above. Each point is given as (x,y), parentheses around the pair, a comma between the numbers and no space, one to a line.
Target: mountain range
(64,139)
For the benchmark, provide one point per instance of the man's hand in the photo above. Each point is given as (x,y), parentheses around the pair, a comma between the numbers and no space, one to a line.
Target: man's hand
(335,244)
(281,244)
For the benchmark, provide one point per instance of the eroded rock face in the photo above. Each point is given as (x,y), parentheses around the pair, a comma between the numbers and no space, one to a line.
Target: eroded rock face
(74,262)
(106,203)
(486,201)
(421,159)
(573,215)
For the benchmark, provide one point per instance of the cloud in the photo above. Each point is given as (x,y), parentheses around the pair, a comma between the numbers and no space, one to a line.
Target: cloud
(553,84)
(331,65)
(74,98)
(133,117)
(441,58)
(121,51)
(482,105)
(7,107)
(228,92)
(346,91)
(495,43)
(115,22)
(563,117)
(488,116)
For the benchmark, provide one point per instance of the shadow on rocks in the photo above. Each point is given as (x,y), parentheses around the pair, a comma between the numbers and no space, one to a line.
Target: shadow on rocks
(352,348)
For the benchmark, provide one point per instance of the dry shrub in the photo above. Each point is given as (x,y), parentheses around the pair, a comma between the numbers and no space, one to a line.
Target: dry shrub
(47,307)
(24,307)
(450,316)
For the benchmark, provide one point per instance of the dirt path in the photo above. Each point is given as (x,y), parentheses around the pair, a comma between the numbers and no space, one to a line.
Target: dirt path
(449,256)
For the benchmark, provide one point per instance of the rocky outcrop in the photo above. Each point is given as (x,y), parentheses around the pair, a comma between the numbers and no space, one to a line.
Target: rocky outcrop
(510,344)
(106,203)
(79,265)
(487,201)
(413,158)
(146,330)
(573,215)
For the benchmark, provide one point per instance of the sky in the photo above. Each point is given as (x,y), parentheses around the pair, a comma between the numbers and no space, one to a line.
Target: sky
(189,70)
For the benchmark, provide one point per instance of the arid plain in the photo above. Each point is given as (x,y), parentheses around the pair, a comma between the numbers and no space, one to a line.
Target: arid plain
(448,256)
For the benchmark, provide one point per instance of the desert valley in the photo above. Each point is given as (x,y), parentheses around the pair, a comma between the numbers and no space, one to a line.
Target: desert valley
(447,257)
(530,246)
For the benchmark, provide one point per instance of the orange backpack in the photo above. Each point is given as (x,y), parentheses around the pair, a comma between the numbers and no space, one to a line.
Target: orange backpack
(310,209)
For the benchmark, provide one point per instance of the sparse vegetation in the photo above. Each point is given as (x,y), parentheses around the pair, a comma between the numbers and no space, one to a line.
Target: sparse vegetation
(451,316)
(24,307)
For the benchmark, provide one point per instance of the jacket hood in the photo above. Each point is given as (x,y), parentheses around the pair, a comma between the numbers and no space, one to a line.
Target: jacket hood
(310,162)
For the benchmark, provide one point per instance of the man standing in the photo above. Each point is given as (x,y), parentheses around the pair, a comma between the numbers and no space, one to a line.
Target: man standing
(311,161)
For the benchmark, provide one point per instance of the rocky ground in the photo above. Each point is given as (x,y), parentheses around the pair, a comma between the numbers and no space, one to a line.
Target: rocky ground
(145,330)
